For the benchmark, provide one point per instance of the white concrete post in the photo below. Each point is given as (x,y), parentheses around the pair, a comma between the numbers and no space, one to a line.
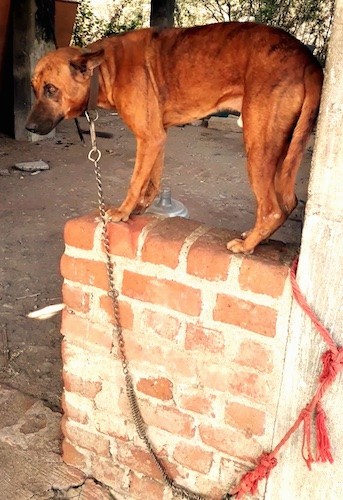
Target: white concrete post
(320,276)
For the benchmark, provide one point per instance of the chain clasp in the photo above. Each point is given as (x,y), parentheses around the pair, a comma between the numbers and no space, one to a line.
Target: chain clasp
(94,154)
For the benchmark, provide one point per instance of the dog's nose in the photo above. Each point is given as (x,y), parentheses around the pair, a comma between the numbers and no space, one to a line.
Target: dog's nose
(31,127)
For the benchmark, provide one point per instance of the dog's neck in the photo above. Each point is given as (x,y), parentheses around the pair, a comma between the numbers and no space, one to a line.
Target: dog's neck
(94,90)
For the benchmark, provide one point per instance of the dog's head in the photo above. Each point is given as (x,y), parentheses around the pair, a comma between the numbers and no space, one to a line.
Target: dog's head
(61,84)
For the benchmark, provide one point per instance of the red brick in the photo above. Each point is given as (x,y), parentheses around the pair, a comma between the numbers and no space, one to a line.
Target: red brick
(208,257)
(246,418)
(164,241)
(168,418)
(75,298)
(80,436)
(72,456)
(76,414)
(174,361)
(80,331)
(264,277)
(255,355)
(160,388)
(162,324)
(139,460)
(87,388)
(247,315)
(224,378)
(123,236)
(143,488)
(251,385)
(87,272)
(80,232)
(125,311)
(197,403)
(204,339)
(230,442)
(193,457)
(167,293)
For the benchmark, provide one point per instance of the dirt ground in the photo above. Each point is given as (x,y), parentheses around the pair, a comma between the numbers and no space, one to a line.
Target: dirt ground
(205,168)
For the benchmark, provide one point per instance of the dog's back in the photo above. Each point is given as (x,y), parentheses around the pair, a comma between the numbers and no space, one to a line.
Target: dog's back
(203,69)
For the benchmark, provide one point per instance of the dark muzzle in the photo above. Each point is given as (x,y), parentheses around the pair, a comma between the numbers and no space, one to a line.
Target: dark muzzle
(40,122)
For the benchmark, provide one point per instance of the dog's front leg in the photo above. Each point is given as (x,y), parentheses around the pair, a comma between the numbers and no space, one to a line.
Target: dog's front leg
(152,187)
(149,154)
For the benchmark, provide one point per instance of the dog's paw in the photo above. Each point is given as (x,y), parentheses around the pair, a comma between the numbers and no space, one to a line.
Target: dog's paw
(239,246)
(116,215)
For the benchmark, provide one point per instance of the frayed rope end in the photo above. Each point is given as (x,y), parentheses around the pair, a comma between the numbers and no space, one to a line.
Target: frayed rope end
(323,442)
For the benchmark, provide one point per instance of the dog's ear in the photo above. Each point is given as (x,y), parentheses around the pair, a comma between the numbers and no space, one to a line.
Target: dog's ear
(82,66)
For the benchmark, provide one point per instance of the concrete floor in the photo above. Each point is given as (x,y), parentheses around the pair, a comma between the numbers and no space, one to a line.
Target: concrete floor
(31,466)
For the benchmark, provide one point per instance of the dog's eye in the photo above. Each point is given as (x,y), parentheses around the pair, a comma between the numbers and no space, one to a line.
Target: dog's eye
(50,90)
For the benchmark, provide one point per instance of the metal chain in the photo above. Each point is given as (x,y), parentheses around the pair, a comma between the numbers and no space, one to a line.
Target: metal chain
(94,155)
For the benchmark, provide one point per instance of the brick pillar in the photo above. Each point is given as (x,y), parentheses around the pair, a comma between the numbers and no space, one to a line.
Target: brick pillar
(205,334)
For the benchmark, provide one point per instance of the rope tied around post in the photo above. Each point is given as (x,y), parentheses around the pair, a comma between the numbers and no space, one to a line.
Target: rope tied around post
(332,361)
(249,482)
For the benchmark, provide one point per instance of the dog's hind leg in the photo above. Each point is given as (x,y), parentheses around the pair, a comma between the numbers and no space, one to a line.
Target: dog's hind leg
(266,136)
(287,171)
(269,215)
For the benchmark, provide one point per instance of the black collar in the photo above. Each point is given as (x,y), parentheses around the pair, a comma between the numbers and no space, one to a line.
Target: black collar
(94,90)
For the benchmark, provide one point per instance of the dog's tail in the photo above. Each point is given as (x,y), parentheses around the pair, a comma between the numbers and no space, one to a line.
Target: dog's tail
(286,175)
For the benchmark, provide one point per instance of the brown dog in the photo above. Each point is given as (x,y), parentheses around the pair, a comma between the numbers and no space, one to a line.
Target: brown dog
(158,78)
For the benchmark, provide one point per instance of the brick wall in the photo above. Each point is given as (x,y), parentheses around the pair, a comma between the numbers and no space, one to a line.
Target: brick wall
(205,334)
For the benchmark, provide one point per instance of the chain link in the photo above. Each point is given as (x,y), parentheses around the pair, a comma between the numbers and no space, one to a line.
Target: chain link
(180,491)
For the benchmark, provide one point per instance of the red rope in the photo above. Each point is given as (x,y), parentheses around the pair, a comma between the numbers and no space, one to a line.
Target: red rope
(299,297)
(332,360)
